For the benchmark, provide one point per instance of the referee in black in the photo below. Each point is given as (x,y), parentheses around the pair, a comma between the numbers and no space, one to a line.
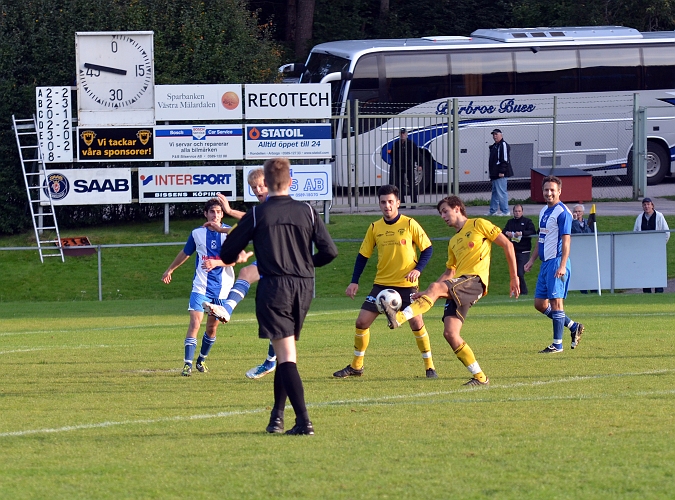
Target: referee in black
(282,231)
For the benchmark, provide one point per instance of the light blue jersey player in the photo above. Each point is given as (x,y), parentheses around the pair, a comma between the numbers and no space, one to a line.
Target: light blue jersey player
(211,283)
(553,247)
(247,276)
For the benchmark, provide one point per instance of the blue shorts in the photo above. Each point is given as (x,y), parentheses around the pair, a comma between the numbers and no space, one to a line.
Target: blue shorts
(196,300)
(550,287)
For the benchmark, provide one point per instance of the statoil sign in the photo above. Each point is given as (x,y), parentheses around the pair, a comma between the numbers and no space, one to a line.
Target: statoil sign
(311,140)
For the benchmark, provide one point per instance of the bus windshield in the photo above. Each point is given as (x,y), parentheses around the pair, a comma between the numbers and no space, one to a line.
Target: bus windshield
(319,65)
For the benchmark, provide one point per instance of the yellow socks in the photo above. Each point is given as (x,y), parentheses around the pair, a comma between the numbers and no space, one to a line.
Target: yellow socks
(417,307)
(423,344)
(361,340)
(466,356)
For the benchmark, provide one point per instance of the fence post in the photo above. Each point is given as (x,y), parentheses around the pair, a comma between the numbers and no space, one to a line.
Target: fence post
(639,150)
(356,154)
(348,159)
(455,146)
(100,288)
(555,137)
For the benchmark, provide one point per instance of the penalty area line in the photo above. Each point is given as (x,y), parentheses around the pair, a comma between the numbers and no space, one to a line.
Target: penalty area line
(343,402)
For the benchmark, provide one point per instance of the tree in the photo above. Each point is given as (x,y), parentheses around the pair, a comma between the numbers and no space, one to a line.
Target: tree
(207,41)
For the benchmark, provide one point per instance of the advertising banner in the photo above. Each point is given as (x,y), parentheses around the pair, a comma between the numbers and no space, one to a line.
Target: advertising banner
(115,144)
(88,186)
(198,102)
(288,101)
(292,141)
(185,184)
(198,142)
(309,183)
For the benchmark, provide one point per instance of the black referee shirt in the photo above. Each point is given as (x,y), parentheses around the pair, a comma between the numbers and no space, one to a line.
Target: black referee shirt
(282,230)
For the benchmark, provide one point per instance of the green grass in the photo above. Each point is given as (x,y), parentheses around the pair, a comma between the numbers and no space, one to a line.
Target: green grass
(92,405)
(134,273)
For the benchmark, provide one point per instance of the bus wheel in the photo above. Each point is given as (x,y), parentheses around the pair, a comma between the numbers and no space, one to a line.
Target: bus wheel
(658,163)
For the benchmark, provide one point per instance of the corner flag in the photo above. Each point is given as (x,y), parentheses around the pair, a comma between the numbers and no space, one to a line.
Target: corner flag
(591,218)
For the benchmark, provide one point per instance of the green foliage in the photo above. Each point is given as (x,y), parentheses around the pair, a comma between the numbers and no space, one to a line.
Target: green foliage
(210,41)
(94,406)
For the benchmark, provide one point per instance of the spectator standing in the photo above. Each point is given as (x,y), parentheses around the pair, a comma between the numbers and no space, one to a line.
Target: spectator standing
(651,220)
(405,160)
(519,230)
(579,224)
(499,166)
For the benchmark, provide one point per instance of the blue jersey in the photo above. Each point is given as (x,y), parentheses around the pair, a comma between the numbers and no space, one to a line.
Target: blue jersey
(217,282)
(554,222)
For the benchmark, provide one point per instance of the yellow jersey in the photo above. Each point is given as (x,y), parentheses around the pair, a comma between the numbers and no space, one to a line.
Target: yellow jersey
(396,253)
(469,249)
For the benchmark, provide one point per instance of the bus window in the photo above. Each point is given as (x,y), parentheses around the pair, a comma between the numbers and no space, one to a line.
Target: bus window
(416,77)
(365,85)
(546,72)
(659,67)
(610,69)
(482,73)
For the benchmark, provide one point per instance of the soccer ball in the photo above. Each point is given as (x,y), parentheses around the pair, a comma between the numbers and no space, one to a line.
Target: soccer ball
(391,297)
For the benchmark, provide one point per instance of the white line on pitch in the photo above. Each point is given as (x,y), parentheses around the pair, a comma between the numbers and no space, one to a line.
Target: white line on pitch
(378,400)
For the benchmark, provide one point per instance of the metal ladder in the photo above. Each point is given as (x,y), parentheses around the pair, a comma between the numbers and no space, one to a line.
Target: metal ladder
(44,217)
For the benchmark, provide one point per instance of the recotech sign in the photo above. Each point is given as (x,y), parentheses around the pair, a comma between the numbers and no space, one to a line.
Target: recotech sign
(115,144)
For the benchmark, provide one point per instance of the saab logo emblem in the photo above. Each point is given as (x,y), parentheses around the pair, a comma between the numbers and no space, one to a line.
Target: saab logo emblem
(144,136)
(471,244)
(57,186)
(146,180)
(213,245)
(403,242)
(88,136)
(199,133)
(254,134)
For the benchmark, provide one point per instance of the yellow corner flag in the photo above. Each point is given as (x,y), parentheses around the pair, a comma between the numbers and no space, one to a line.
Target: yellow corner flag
(591,218)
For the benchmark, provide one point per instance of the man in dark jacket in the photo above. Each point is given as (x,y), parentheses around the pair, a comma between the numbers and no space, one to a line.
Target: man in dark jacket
(520,230)
(499,170)
(406,157)
(282,231)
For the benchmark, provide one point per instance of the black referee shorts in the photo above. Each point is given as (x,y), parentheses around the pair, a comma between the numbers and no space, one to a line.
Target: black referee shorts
(281,304)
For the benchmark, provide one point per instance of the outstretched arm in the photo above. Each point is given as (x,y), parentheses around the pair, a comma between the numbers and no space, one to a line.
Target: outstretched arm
(236,214)
(177,262)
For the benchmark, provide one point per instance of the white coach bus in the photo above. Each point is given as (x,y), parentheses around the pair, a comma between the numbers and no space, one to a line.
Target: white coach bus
(501,77)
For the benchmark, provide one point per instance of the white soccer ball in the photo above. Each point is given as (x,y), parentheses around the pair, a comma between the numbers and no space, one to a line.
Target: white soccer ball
(391,297)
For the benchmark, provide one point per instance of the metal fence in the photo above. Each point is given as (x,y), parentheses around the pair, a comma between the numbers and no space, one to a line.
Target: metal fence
(450,154)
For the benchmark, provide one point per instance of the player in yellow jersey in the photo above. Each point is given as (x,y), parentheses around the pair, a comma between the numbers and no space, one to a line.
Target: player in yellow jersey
(397,238)
(464,281)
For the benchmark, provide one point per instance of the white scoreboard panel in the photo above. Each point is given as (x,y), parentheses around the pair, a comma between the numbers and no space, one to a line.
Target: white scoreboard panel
(54,124)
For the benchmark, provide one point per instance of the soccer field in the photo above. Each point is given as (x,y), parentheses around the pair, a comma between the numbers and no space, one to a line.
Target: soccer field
(93,406)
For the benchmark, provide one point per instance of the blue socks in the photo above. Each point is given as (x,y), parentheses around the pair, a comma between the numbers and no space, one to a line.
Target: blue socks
(558,318)
(190,348)
(207,343)
(572,325)
(236,295)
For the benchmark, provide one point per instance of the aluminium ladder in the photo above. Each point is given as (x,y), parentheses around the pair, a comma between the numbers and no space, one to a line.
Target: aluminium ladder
(42,212)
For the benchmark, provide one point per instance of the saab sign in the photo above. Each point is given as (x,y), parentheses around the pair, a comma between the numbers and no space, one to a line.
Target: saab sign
(185,184)
(288,101)
(92,186)
(308,183)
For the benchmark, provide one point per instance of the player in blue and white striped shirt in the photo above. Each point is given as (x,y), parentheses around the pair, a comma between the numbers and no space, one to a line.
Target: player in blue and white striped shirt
(211,283)
(553,247)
